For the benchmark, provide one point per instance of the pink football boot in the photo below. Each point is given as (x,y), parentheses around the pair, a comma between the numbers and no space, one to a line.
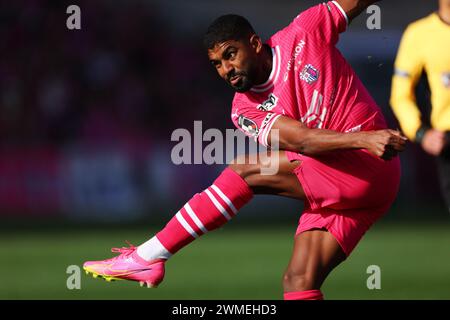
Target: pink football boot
(128,266)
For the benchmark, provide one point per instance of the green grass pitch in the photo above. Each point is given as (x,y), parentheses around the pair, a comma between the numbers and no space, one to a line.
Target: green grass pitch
(234,262)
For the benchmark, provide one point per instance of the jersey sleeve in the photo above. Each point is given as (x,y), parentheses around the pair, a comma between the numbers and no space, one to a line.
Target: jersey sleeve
(252,121)
(408,68)
(323,22)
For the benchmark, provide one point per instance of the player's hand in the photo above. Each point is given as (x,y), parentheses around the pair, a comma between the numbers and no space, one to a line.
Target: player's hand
(433,142)
(386,143)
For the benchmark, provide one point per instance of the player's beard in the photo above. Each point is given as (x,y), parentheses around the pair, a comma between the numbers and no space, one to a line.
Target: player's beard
(246,81)
(244,84)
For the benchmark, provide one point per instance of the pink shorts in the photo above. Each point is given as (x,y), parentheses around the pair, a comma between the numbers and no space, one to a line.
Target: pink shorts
(346,191)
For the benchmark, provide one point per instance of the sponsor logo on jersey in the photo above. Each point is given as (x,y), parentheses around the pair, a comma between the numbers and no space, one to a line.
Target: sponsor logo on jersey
(309,74)
(446,79)
(297,50)
(248,125)
(269,104)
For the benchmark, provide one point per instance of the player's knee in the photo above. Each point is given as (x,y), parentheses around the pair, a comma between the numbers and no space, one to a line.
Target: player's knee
(299,281)
(243,168)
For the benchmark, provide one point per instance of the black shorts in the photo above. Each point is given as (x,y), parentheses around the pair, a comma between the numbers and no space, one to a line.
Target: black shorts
(444,171)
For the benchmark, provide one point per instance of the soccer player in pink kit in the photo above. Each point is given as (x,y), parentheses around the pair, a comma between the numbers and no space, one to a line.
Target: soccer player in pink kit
(335,151)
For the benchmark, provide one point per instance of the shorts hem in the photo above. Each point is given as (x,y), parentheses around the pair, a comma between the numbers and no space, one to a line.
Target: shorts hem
(332,231)
(293,156)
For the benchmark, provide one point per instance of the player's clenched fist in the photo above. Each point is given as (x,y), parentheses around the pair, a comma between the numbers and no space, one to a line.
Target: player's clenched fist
(385,143)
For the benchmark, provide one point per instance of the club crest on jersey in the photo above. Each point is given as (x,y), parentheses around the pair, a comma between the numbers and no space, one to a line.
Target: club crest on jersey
(446,79)
(269,104)
(248,125)
(309,74)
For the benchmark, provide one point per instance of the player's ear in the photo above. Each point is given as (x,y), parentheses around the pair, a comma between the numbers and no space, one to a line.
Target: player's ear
(256,43)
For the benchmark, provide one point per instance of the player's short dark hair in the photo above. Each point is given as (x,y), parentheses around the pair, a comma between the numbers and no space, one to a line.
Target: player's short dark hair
(227,27)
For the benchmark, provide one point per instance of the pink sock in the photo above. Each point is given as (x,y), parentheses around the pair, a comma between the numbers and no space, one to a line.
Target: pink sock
(206,211)
(304,295)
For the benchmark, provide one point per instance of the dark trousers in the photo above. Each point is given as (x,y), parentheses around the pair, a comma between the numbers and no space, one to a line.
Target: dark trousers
(444,171)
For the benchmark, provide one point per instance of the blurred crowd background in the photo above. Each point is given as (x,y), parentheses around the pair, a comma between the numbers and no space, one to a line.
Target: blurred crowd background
(86,116)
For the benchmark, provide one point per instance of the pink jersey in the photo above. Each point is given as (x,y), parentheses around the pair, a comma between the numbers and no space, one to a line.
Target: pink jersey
(310,81)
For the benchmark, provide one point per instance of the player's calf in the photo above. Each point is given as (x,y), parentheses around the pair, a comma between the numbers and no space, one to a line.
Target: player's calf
(316,253)
(299,280)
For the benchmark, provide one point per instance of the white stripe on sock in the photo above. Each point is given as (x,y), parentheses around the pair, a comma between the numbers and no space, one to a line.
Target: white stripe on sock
(153,249)
(186,225)
(217,204)
(224,198)
(194,217)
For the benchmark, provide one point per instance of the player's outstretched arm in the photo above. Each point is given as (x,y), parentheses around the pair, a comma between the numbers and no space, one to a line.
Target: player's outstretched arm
(354,7)
(295,136)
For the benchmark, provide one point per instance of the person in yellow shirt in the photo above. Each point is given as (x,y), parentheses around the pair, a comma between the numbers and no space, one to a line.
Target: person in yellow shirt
(425,46)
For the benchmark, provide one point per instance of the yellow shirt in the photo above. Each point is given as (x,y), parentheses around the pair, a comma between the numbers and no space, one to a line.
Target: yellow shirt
(425,45)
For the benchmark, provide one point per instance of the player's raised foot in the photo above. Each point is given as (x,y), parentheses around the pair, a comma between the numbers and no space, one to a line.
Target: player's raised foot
(128,266)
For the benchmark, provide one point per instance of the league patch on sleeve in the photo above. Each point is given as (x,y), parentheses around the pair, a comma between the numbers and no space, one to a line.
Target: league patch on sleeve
(248,126)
